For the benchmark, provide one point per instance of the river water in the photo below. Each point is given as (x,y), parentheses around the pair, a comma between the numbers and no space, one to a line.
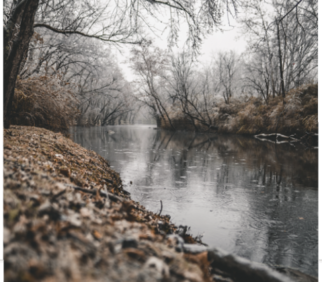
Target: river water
(255,199)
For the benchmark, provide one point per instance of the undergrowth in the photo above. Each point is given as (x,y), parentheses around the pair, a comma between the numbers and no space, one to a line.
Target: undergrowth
(297,113)
(44,101)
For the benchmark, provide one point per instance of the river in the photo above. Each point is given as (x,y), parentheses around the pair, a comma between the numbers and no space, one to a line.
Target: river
(255,199)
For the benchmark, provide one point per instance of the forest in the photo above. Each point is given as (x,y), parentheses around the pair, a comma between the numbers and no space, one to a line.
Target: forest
(61,69)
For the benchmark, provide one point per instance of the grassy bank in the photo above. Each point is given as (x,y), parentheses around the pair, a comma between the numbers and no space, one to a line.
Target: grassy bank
(297,113)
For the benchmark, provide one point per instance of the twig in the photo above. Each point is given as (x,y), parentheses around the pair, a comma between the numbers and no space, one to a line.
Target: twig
(57,195)
(161,208)
(295,6)
(105,194)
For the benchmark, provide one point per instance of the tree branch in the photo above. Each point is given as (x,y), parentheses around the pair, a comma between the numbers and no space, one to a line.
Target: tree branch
(290,10)
(100,37)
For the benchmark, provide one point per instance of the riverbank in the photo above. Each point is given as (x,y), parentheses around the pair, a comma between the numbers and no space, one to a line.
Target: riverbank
(296,114)
(68,218)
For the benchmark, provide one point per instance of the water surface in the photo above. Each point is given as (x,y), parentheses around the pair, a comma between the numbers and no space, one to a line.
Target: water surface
(251,198)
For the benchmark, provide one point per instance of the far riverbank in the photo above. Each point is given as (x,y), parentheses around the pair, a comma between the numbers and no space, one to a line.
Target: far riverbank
(296,114)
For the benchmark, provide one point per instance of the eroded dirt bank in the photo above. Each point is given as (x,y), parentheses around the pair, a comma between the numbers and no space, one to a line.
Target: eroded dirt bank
(67,218)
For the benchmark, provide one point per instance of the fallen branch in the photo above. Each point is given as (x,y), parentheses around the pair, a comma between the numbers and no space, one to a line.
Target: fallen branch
(105,194)
(276,136)
(161,208)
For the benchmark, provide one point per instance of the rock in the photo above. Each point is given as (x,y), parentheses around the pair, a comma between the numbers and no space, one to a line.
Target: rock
(161,268)
(219,278)
(242,269)
(295,274)
(194,248)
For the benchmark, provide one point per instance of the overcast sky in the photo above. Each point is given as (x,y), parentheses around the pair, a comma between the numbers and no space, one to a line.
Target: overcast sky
(228,39)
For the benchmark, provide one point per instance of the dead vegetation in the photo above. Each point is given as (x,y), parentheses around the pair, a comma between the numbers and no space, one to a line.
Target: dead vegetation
(44,101)
(297,113)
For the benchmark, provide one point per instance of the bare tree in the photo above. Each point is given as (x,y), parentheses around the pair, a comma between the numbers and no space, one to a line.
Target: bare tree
(115,22)
(258,75)
(190,90)
(151,65)
(227,63)
(284,44)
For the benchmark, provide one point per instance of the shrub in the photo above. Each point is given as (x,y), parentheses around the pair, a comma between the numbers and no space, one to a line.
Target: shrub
(44,102)
(311,123)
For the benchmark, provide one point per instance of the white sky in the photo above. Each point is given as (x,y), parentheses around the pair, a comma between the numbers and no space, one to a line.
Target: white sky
(228,39)
(222,41)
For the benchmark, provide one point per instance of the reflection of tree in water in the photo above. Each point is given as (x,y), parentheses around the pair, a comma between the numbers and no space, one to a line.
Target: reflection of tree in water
(279,169)
(286,235)
(299,165)
(299,226)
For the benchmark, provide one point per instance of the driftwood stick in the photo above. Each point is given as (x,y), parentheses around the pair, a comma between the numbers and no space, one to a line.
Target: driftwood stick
(275,135)
(161,208)
(278,138)
(105,194)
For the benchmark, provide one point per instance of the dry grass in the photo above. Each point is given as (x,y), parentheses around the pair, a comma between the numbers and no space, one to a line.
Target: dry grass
(297,113)
(44,102)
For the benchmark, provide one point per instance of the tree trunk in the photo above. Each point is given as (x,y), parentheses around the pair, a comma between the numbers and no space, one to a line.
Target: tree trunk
(13,58)
(158,120)
(280,58)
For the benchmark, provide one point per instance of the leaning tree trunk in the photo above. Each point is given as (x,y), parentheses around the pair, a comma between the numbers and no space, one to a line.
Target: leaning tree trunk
(13,56)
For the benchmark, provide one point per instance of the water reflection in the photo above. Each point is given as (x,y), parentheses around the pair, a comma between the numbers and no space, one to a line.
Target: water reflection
(254,199)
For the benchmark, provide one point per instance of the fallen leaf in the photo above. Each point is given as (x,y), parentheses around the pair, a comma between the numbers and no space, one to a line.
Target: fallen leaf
(97,235)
